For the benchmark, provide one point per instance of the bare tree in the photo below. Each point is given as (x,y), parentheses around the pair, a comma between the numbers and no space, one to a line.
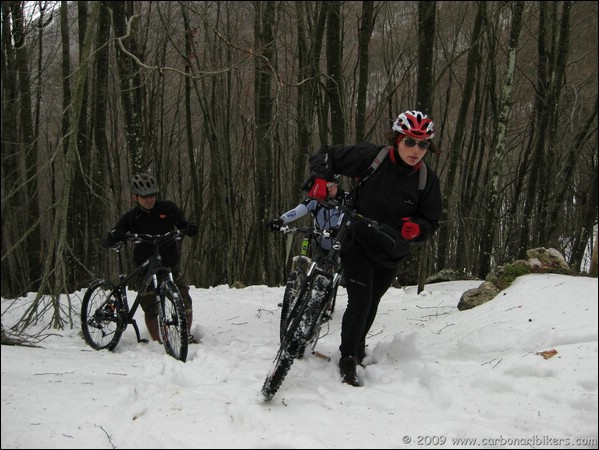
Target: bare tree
(334,84)
(457,149)
(499,143)
(225,101)
(27,193)
(264,39)
(365,33)
(130,81)
(424,96)
(56,268)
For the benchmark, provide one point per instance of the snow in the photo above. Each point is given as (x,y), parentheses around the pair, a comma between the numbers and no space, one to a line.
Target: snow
(441,378)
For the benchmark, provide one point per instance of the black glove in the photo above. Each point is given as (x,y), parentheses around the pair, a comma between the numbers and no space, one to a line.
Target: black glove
(192,229)
(275,225)
(112,238)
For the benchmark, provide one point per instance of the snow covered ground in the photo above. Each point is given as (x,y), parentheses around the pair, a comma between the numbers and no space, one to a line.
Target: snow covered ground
(441,378)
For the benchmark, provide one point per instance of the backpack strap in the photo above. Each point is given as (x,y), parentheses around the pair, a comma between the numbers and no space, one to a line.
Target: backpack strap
(422,176)
(378,160)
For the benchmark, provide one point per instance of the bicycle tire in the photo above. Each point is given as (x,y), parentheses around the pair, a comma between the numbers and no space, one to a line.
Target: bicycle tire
(102,321)
(297,335)
(172,321)
(312,313)
(293,290)
(275,378)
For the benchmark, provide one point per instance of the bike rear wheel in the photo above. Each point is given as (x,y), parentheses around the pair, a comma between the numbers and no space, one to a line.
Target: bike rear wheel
(101,320)
(297,335)
(172,321)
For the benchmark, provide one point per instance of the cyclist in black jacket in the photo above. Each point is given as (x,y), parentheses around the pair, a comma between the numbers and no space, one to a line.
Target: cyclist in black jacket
(392,197)
(152,216)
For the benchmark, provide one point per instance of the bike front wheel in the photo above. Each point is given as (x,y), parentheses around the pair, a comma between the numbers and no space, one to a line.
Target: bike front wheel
(101,320)
(293,290)
(172,321)
(312,314)
(297,334)
(274,379)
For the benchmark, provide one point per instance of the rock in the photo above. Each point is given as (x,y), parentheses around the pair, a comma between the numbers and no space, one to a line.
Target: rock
(477,296)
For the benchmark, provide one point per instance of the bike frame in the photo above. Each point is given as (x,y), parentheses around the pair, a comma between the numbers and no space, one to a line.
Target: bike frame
(327,265)
(152,266)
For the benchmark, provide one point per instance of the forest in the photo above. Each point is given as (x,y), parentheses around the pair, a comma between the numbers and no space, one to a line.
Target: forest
(224,102)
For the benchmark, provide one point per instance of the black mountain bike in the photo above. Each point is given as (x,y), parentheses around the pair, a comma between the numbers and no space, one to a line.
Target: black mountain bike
(309,300)
(105,311)
(303,268)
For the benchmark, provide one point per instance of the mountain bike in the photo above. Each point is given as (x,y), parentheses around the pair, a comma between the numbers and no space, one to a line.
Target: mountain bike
(309,300)
(302,267)
(105,311)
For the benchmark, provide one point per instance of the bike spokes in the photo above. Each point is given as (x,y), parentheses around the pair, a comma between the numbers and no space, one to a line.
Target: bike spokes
(101,322)
(172,321)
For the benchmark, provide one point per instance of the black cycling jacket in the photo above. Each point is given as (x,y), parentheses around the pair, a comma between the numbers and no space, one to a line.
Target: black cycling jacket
(165,216)
(388,196)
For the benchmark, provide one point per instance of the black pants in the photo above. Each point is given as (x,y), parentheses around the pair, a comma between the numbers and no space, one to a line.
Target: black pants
(366,282)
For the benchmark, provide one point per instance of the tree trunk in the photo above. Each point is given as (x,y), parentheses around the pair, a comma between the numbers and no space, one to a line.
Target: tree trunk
(14,282)
(309,46)
(264,64)
(334,84)
(366,28)
(457,150)
(28,145)
(130,81)
(499,145)
(426,45)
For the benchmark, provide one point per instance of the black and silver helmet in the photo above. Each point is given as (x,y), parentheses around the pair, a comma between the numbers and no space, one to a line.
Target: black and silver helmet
(144,184)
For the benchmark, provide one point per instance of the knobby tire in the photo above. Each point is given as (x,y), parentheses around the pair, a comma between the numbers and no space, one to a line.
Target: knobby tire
(298,334)
(293,290)
(102,320)
(172,321)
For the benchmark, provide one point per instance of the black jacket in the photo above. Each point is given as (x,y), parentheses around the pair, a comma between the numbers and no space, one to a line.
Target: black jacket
(165,216)
(388,196)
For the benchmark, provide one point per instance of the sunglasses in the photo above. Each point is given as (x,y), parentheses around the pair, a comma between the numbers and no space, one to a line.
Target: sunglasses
(148,196)
(411,143)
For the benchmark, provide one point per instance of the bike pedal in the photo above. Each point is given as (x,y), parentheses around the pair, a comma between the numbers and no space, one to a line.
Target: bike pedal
(321,356)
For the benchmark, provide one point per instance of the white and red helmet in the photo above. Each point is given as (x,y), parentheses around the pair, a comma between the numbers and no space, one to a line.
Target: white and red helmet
(414,124)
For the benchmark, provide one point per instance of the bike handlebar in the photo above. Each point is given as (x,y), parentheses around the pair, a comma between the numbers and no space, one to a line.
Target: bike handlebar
(377,226)
(305,230)
(154,238)
(332,203)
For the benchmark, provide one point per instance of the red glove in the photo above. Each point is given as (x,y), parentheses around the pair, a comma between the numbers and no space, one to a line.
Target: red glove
(410,230)
(319,189)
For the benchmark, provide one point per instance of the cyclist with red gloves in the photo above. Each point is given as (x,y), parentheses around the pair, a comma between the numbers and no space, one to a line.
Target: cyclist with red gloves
(391,195)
